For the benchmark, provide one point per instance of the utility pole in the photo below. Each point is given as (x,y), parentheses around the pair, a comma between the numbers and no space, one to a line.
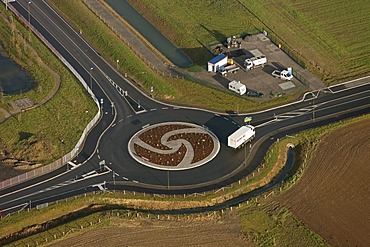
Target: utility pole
(29,15)
(91,78)
(29,21)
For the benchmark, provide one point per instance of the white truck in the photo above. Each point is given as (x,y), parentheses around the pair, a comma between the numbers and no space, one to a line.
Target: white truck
(254,62)
(284,74)
(243,135)
(237,87)
(232,68)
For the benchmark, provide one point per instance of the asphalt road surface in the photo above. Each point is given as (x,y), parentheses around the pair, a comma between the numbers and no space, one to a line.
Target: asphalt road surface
(104,161)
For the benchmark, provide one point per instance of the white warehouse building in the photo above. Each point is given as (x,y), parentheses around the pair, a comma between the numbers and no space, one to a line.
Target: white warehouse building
(216,62)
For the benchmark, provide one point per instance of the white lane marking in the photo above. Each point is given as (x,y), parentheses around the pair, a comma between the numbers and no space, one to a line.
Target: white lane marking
(164,108)
(226,118)
(135,181)
(113,125)
(154,109)
(217,115)
(125,178)
(72,164)
(100,186)
(120,120)
(129,116)
(89,173)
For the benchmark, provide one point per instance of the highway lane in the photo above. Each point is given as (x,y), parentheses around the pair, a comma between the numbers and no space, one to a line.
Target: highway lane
(124,122)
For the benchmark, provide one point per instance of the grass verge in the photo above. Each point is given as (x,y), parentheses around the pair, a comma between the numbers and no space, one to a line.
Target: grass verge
(36,135)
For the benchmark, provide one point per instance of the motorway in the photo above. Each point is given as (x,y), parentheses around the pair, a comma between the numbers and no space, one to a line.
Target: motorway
(104,161)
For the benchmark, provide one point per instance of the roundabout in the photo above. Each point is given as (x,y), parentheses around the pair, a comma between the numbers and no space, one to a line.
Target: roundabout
(174,146)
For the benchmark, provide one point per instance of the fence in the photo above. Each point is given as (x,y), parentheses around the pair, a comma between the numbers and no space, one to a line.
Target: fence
(60,162)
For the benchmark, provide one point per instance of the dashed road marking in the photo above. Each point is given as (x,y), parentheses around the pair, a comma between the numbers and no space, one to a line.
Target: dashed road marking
(135,181)
(125,178)
(164,108)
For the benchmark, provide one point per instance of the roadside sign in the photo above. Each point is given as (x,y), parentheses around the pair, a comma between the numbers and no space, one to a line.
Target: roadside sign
(247,119)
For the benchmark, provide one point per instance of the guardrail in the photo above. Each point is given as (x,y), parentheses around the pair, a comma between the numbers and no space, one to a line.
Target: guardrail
(69,156)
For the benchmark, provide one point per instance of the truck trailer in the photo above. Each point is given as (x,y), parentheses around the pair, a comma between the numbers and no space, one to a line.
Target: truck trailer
(232,68)
(254,62)
(243,135)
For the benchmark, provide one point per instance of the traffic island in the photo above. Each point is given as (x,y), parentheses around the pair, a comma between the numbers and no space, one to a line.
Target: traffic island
(174,146)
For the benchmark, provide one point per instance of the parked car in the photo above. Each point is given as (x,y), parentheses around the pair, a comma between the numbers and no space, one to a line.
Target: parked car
(252,93)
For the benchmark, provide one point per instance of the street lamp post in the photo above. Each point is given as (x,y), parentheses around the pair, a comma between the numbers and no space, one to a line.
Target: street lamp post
(29,21)
(29,15)
(91,78)
(117,64)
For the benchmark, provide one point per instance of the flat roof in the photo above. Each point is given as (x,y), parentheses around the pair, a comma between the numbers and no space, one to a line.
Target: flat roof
(256,53)
(217,58)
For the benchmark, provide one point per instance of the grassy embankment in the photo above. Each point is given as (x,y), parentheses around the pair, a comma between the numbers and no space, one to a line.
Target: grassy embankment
(36,135)
(330,36)
(191,26)
(167,89)
(263,220)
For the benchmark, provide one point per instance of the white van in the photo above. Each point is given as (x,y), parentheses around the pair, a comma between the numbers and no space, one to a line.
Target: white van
(237,87)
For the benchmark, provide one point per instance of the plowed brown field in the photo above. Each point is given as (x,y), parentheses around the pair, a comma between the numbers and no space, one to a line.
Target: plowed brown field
(333,196)
(209,232)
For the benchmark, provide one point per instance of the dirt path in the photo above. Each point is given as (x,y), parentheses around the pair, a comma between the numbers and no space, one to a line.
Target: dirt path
(332,197)
(225,232)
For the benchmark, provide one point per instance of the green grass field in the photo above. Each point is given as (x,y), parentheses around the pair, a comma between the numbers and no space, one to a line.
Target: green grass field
(36,135)
(193,24)
(331,36)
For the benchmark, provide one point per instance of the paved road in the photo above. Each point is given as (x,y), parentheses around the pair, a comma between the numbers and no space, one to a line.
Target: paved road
(108,140)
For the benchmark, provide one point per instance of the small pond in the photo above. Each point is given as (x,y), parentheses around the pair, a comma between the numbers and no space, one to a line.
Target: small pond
(13,78)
